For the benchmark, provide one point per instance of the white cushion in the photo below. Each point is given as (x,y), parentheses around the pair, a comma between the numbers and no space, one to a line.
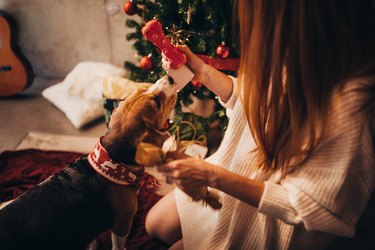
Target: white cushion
(79,96)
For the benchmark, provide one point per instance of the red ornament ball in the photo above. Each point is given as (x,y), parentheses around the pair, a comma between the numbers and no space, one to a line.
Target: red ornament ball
(130,8)
(146,63)
(196,84)
(222,51)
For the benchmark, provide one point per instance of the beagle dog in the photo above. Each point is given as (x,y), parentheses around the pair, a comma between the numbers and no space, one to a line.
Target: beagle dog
(97,191)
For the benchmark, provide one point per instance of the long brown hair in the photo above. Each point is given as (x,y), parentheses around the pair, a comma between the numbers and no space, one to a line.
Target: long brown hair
(293,55)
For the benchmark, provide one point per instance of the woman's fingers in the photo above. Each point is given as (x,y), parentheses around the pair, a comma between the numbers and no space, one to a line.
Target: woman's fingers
(176,165)
(191,169)
(183,48)
(172,171)
(165,63)
(164,169)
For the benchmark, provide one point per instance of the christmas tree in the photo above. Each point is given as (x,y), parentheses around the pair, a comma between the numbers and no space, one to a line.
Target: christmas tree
(206,27)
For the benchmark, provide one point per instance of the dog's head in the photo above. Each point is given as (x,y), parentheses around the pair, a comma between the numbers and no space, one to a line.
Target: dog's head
(139,118)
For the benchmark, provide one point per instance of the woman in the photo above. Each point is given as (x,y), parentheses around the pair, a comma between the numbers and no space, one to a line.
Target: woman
(296,166)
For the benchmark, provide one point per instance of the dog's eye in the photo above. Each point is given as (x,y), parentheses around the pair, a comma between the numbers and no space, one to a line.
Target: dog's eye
(157,101)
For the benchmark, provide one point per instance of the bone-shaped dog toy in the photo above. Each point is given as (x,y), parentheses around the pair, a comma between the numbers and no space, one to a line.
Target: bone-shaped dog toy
(153,32)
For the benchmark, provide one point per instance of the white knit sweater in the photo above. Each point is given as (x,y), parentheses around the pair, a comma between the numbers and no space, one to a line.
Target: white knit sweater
(305,210)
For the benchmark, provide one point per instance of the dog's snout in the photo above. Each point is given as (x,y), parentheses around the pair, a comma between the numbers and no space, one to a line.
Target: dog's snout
(171,80)
(166,84)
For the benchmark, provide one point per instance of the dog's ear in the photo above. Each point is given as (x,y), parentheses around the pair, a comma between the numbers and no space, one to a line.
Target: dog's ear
(155,116)
(151,117)
(149,120)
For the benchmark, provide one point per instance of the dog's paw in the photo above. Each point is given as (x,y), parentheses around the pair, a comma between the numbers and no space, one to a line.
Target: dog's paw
(93,245)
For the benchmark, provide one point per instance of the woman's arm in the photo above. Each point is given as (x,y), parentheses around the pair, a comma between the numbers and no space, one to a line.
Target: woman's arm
(188,173)
(216,81)
(219,83)
(245,189)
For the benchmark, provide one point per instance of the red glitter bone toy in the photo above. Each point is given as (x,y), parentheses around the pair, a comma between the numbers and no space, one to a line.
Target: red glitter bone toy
(153,32)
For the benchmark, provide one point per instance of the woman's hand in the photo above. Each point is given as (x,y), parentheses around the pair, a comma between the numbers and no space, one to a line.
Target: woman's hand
(214,80)
(194,63)
(189,173)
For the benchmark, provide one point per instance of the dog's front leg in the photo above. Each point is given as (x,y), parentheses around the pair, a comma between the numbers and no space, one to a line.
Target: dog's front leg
(124,203)
(118,242)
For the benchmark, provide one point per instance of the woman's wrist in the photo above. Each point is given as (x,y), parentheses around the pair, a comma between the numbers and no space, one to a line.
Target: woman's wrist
(240,187)
(215,176)
(218,82)
(208,71)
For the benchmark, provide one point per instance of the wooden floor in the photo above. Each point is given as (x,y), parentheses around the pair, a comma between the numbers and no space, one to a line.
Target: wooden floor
(30,111)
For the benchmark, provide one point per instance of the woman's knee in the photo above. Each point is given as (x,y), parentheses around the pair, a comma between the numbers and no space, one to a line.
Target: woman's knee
(163,221)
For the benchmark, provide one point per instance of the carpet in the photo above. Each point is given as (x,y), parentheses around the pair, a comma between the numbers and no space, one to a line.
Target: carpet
(47,141)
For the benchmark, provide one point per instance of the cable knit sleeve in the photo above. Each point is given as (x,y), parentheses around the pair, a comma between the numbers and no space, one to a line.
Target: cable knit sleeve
(331,190)
(229,105)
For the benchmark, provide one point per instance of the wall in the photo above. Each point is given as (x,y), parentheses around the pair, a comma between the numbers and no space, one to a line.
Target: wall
(55,35)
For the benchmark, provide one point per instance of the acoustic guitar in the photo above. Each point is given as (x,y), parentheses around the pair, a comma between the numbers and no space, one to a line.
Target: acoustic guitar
(16,73)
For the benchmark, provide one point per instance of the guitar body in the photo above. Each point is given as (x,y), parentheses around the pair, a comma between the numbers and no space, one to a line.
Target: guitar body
(16,73)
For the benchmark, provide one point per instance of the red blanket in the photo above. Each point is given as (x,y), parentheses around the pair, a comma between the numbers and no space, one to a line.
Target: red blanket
(20,170)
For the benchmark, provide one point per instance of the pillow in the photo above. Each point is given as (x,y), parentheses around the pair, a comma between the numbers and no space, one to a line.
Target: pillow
(79,96)
(77,109)
(114,87)
(86,78)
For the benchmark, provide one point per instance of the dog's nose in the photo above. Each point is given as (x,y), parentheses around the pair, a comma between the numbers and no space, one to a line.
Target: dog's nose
(171,80)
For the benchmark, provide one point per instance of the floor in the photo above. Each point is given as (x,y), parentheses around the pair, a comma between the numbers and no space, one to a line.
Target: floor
(30,111)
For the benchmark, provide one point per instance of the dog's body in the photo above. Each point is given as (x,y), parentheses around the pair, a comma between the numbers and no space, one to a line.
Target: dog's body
(71,208)
(66,211)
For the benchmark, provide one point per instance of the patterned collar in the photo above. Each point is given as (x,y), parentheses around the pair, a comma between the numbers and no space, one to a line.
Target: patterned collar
(117,173)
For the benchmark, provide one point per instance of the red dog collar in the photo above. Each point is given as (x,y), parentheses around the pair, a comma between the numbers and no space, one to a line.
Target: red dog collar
(120,173)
